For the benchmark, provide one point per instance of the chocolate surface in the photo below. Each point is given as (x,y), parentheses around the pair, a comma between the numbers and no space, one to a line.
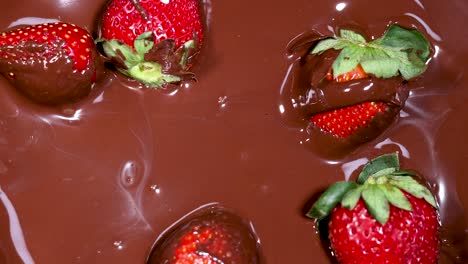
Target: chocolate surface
(100,180)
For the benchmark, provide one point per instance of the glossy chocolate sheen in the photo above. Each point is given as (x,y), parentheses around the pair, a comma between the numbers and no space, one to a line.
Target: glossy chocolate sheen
(47,79)
(99,181)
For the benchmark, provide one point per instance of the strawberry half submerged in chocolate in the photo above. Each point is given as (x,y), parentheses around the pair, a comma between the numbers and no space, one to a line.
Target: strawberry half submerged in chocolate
(346,121)
(388,216)
(213,235)
(349,90)
(50,63)
(152,41)
(399,52)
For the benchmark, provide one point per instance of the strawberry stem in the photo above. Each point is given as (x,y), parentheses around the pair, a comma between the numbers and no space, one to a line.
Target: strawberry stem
(151,74)
(154,64)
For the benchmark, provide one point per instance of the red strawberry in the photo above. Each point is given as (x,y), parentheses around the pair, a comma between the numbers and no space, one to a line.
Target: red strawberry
(152,41)
(212,236)
(346,121)
(51,63)
(205,245)
(355,74)
(386,217)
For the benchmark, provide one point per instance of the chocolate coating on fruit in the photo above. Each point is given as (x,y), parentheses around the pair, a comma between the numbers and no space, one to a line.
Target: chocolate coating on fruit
(308,92)
(48,76)
(213,233)
(313,93)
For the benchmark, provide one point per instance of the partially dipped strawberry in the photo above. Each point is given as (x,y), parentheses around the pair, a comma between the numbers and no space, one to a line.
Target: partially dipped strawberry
(343,122)
(50,63)
(214,235)
(386,217)
(398,53)
(152,41)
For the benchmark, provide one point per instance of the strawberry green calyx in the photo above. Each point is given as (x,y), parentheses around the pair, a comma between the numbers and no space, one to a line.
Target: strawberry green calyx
(152,64)
(399,51)
(380,184)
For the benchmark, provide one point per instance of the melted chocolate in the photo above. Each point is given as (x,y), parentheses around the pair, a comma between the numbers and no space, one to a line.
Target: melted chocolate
(100,180)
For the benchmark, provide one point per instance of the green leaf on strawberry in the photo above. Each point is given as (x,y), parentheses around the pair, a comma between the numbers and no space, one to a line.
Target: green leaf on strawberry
(351,198)
(413,187)
(380,184)
(384,164)
(395,197)
(150,63)
(399,51)
(144,43)
(376,203)
(330,198)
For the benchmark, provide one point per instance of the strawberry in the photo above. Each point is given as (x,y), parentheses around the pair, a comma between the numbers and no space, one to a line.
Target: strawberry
(51,63)
(399,52)
(205,245)
(386,217)
(213,235)
(152,41)
(346,121)
(355,74)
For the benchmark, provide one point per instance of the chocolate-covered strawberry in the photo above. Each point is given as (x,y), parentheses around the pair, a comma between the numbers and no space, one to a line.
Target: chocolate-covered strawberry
(387,216)
(399,54)
(152,41)
(344,91)
(213,235)
(50,63)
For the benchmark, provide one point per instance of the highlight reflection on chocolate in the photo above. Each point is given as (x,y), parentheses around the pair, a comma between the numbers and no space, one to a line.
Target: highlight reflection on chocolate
(100,180)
